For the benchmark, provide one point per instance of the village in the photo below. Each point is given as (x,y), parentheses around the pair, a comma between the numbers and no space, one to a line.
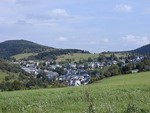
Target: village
(74,74)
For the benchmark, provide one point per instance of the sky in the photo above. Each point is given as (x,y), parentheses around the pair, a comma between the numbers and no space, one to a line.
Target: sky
(93,25)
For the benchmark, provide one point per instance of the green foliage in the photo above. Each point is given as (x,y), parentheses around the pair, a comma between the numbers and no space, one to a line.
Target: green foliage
(114,70)
(60,71)
(9,67)
(127,68)
(3,74)
(90,59)
(101,58)
(15,77)
(140,66)
(34,83)
(11,85)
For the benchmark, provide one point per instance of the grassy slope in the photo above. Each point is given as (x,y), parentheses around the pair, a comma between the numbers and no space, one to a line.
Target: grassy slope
(24,55)
(109,95)
(76,56)
(116,54)
(80,56)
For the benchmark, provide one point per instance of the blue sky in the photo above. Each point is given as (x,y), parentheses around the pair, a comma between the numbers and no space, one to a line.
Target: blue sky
(93,25)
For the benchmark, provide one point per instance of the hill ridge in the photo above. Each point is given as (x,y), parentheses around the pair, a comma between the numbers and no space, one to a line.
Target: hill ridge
(13,47)
(142,50)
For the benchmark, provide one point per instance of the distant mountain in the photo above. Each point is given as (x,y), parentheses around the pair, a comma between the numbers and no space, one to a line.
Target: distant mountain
(142,50)
(14,47)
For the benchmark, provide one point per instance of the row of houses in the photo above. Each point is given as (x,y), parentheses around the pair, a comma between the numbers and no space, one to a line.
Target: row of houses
(75,74)
(76,77)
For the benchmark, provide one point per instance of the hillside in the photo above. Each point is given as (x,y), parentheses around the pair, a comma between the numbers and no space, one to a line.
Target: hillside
(76,57)
(23,49)
(23,55)
(142,50)
(13,47)
(119,94)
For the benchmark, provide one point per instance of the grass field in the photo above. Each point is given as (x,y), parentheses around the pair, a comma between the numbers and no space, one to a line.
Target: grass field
(116,54)
(24,55)
(81,56)
(76,57)
(120,94)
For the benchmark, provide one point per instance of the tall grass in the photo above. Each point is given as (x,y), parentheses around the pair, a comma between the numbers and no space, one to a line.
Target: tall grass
(120,94)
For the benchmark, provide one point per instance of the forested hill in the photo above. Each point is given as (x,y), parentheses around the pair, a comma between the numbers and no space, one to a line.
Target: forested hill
(14,47)
(142,50)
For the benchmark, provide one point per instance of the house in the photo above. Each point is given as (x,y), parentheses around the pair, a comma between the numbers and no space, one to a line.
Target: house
(99,65)
(135,70)
(73,66)
(14,62)
(81,66)
(77,83)
(91,65)
(30,70)
(30,65)
(75,77)
(114,62)
(53,67)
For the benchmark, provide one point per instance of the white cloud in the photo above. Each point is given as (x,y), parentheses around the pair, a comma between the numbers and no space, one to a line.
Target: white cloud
(123,8)
(136,40)
(57,13)
(61,39)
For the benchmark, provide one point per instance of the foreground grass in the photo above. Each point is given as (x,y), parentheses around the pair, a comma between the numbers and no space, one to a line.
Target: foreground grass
(24,55)
(120,94)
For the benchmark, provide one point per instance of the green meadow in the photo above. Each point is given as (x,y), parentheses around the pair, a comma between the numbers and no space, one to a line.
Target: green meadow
(119,94)
(82,56)
(76,56)
(23,55)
